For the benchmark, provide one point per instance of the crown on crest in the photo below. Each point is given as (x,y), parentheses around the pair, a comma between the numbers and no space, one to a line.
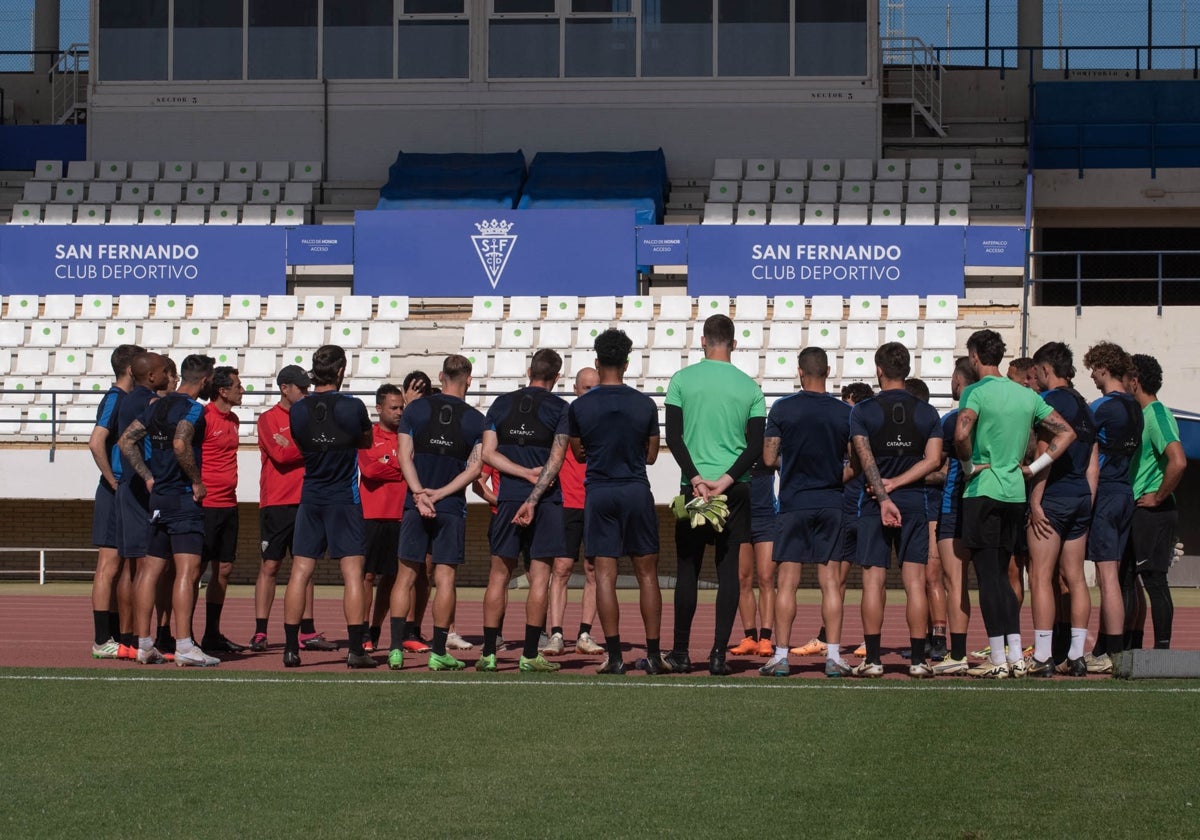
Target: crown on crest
(494,227)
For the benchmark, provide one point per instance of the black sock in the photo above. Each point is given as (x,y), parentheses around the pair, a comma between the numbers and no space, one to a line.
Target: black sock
(765,635)
(291,637)
(613,643)
(873,640)
(750,633)
(100,626)
(653,650)
(129,639)
(1112,643)
(533,635)
(212,619)
(355,632)
(1060,641)
(399,631)
(1162,644)
(374,632)
(439,640)
(114,626)
(958,645)
(260,625)
(490,635)
(1136,639)
(165,641)
(821,635)
(939,640)
(308,626)
(918,651)
(584,628)
(556,629)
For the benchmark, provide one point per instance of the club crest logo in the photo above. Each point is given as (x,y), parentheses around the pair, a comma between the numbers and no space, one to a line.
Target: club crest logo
(494,244)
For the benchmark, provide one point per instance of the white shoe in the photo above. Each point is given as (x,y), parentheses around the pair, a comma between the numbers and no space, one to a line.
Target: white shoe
(867,669)
(196,658)
(150,657)
(587,645)
(457,642)
(991,672)
(553,646)
(920,671)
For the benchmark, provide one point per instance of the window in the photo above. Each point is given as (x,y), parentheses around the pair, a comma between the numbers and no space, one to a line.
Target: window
(752,38)
(434,40)
(601,47)
(358,39)
(208,39)
(523,40)
(283,39)
(133,40)
(677,38)
(831,37)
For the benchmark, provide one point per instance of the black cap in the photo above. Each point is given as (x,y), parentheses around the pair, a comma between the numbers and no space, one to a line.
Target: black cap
(293,375)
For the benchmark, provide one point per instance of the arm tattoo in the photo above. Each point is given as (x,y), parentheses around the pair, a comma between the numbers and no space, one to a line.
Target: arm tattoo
(476,456)
(128,444)
(770,456)
(184,454)
(862,448)
(1053,425)
(558,451)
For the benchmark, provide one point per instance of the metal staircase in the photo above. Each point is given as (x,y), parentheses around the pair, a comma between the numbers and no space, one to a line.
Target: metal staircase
(912,77)
(68,85)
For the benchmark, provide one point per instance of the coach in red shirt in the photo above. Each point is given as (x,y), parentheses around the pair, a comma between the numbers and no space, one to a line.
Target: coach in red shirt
(382,489)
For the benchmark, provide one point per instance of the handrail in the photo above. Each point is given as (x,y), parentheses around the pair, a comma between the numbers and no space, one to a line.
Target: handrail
(41,570)
(1158,279)
(944,56)
(66,76)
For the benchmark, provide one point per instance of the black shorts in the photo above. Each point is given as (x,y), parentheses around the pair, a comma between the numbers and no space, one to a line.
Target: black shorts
(1111,518)
(220,535)
(619,519)
(1021,549)
(1069,516)
(383,542)
(987,523)
(177,526)
(876,543)
(809,536)
(949,526)
(133,519)
(849,535)
(104,517)
(443,537)
(336,529)
(543,539)
(572,532)
(764,529)
(1152,537)
(276,526)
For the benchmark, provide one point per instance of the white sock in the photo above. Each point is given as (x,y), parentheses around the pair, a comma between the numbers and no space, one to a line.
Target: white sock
(833,650)
(1078,640)
(781,652)
(1041,644)
(1015,653)
(184,645)
(145,643)
(997,652)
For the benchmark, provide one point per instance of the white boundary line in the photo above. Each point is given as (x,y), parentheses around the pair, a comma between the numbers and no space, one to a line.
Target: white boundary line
(618,683)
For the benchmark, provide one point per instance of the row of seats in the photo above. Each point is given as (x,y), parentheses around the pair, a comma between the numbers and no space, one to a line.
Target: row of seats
(141,192)
(741,308)
(168,307)
(846,192)
(829,214)
(179,170)
(158,214)
(87,335)
(836,169)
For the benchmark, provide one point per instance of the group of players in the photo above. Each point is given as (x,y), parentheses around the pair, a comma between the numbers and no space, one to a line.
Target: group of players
(862,480)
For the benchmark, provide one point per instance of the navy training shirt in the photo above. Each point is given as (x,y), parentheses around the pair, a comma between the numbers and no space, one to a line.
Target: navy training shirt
(1119,422)
(444,430)
(107,418)
(952,490)
(326,427)
(1068,475)
(161,420)
(525,423)
(813,431)
(897,425)
(614,423)
(133,407)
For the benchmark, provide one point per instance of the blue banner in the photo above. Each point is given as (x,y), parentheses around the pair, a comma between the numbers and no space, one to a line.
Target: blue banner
(820,260)
(148,259)
(320,245)
(662,245)
(995,246)
(461,253)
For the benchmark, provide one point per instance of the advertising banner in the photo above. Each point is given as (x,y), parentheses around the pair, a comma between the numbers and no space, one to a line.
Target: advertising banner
(991,246)
(320,245)
(662,245)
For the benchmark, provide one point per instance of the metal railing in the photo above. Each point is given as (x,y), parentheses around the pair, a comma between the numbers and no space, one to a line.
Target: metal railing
(41,571)
(915,76)
(1070,59)
(68,85)
(1158,278)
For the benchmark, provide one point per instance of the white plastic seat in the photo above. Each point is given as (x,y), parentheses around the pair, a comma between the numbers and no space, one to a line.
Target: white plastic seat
(168,193)
(793,169)
(749,334)
(751,214)
(904,332)
(722,192)
(578,360)
(317,308)
(825,334)
(144,170)
(306,170)
(941,308)
(600,308)
(487,308)
(728,169)
(199,192)
(245,307)
(785,214)
(113,170)
(936,363)
(663,364)
(787,308)
(670,334)
(45,334)
(78,422)
(783,367)
(282,308)
(922,192)
(273,334)
(903,307)
(865,307)
(956,169)
(124,214)
(953,214)
(637,308)
(256,214)
(158,335)
(58,214)
(208,307)
(31,361)
(290,214)
(258,391)
(858,169)
(195,335)
(556,335)
(102,192)
(760,169)
(231,193)
(818,214)
(133,307)
(84,334)
(259,362)
(72,362)
(274,170)
(923,169)
(26,214)
(891,169)
(638,332)
(311,334)
(675,308)
(177,170)
(862,335)
(852,214)
(516,334)
(91,214)
(264,193)
(480,363)
(37,192)
(562,308)
(233,334)
(856,192)
(956,192)
(919,214)
(822,192)
(859,365)
(525,308)
(939,335)
(636,365)
(391,308)
(383,334)
(826,169)
(68,192)
(21,306)
(156,214)
(510,364)
(751,307)
(707,305)
(755,192)
(479,334)
(190,214)
(886,214)
(888,192)
(242,170)
(58,307)
(18,389)
(747,361)
(210,170)
(223,214)
(93,388)
(97,307)
(585,336)
(297,193)
(717,214)
(827,308)
(789,192)
(47,170)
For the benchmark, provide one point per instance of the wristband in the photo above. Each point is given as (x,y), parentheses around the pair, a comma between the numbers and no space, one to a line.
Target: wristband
(968,468)
(1040,463)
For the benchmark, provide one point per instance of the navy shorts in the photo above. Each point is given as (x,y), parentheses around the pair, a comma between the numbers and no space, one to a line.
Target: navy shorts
(1152,537)
(177,526)
(849,535)
(619,519)
(276,528)
(764,529)
(572,531)
(1110,524)
(443,536)
(988,523)
(543,539)
(949,526)
(133,519)
(876,543)
(104,517)
(337,529)
(383,541)
(1069,516)
(809,536)
(220,535)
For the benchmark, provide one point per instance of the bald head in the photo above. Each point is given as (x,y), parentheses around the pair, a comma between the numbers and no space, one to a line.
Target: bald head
(586,380)
(149,370)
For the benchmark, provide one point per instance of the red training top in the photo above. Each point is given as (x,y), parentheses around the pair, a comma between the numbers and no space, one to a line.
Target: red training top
(491,480)
(382,483)
(218,457)
(570,478)
(282,473)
